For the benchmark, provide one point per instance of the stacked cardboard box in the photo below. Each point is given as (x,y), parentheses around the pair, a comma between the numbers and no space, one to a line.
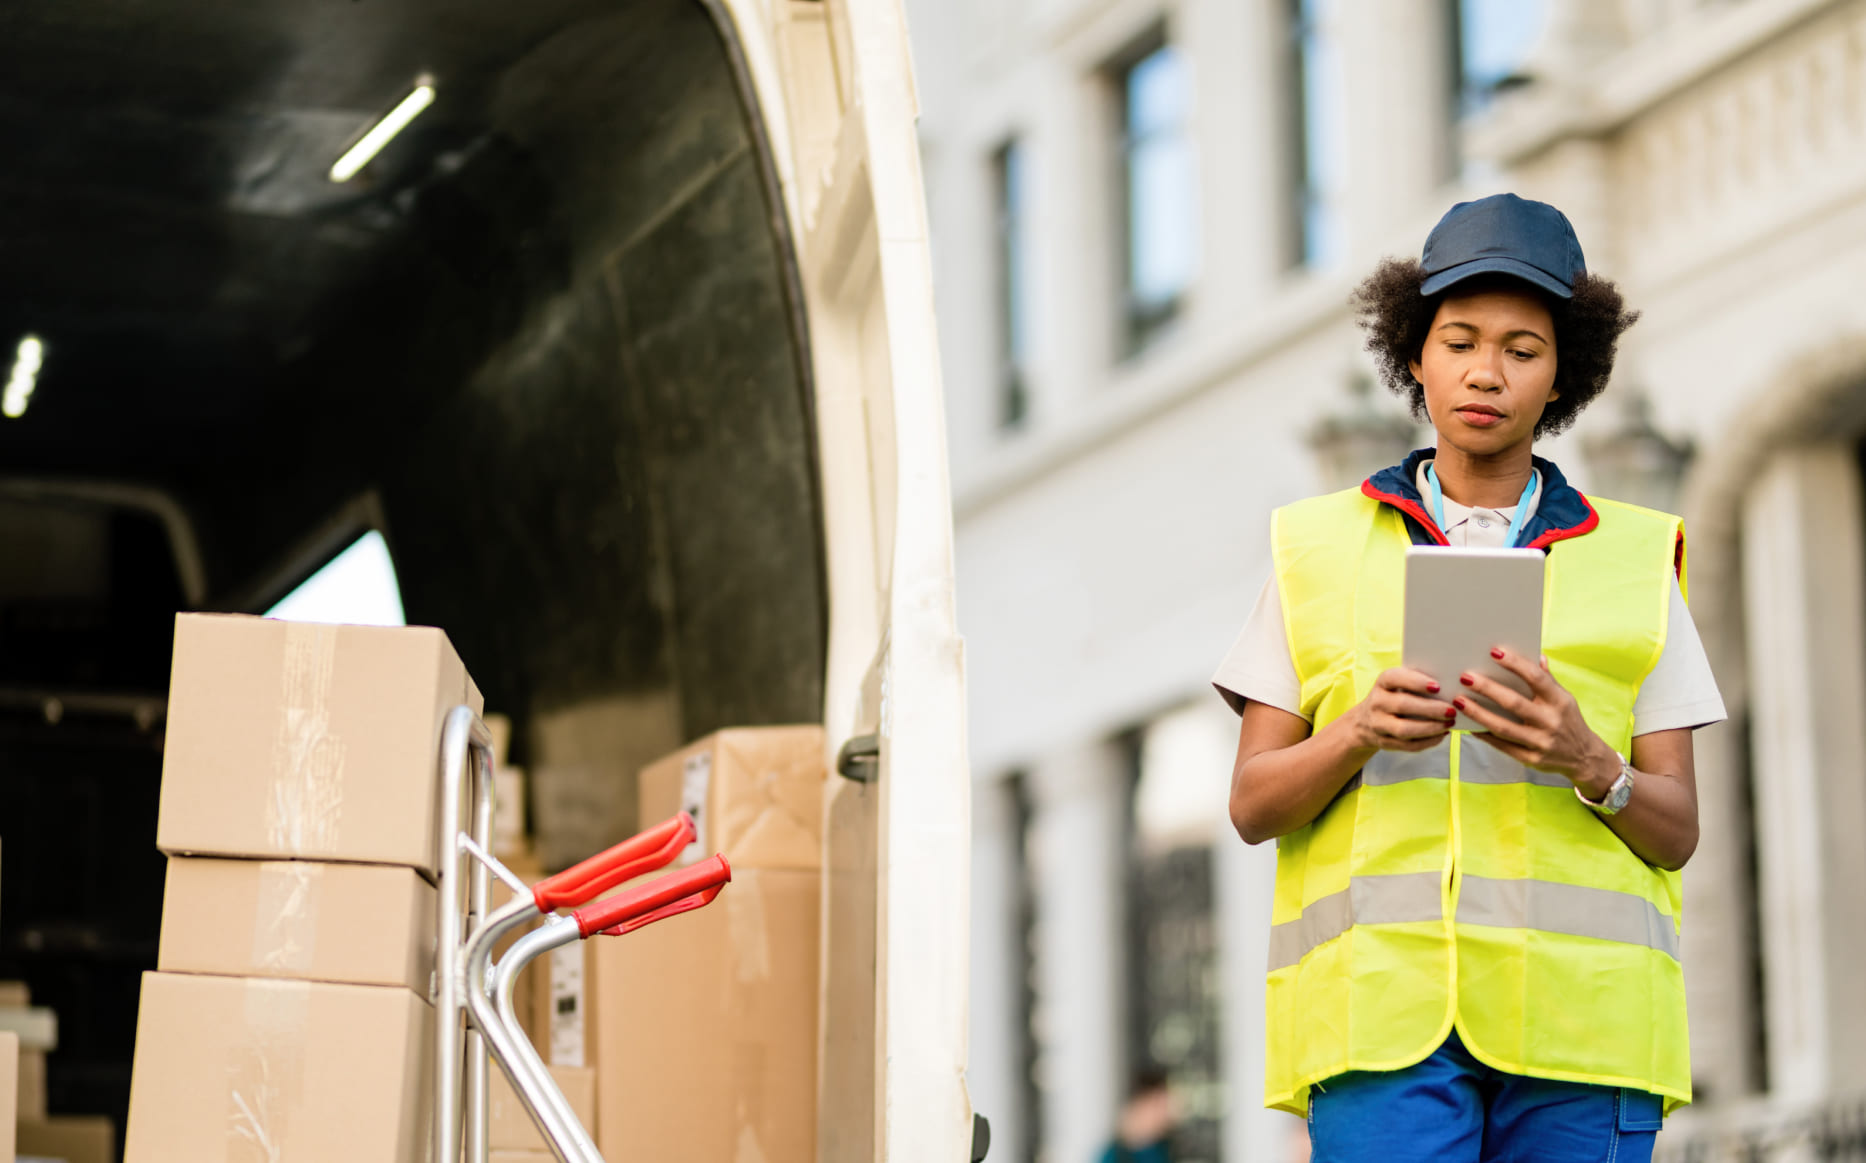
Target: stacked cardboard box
(9,1090)
(510,1129)
(508,821)
(34,1030)
(70,1139)
(511,843)
(27,1034)
(705,1024)
(289,1015)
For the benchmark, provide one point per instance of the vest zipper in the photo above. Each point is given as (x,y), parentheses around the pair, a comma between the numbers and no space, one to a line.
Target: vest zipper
(1453,869)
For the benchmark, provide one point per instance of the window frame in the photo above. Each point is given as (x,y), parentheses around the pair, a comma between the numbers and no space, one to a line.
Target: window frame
(1010,280)
(350,523)
(1140,325)
(1303,195)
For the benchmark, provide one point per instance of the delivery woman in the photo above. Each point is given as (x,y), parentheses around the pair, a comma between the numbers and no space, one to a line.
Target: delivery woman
(1474,943)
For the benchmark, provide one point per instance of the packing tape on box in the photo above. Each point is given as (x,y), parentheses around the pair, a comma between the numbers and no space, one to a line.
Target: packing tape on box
(749,1099)
(265,1076)
(747,1150)
(285,916)
(750,931)
(305,809)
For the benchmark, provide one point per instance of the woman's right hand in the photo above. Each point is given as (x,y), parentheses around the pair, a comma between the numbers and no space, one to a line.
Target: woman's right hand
(1286,774)
(1396,715)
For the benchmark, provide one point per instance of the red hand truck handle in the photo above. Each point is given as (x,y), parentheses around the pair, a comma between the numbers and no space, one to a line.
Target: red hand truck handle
(685,904)
(646,903)
(641,853)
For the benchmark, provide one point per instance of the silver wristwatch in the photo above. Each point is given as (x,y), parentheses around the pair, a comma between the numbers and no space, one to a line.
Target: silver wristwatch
(1620,791)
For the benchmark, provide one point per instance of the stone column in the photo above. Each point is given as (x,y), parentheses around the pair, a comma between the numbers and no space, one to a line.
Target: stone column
(995,1056)
(1074,293)
(1804,601)
(1719,942)
(1237,53)
(1076,853)
(1397,66)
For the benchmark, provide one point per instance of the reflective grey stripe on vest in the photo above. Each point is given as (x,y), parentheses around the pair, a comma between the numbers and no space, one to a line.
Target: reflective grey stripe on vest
(1478,762)
(1389,767)
(1573,909)
(1368,900)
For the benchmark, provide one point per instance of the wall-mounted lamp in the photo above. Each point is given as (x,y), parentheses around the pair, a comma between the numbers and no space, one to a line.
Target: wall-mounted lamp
(28,358)
(380,134)
(1362,439)
(1633,461)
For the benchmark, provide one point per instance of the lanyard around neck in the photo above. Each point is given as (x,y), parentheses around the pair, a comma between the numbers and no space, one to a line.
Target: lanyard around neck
(1516,523)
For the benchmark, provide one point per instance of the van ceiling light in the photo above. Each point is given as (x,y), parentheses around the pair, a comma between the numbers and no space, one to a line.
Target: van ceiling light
(27,359)
(379,135)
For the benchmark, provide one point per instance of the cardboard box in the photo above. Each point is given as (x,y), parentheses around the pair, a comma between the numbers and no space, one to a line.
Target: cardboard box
(500,728)
(37,1027)
(9,1087)
(549,997)
(231,1069)
(361,924)
(30,1093)
(509,1126)
(707,1025)
(529,985)
(73,1138)
(708,1032)
(292,740)
(509,828)
(508,816)
(565,1026)
(755,793)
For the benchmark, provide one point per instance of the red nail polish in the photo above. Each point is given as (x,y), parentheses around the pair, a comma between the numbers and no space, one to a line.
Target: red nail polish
(1451,714)
(1496,652)
(1431,688)
(1467,680)
(1458,703)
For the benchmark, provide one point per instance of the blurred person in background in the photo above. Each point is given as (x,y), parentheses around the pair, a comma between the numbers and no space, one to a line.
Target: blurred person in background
(1148,1119)
(1474,944)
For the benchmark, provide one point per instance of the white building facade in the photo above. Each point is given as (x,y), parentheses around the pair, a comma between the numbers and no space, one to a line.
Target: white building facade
(1147,217)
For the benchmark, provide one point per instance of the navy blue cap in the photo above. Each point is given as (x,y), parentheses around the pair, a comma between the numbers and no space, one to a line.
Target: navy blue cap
(1503,235)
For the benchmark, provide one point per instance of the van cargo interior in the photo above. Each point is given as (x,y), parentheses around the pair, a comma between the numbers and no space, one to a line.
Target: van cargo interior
(549,344)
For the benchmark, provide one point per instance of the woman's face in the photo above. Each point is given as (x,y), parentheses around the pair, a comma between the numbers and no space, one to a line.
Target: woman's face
(1488,366)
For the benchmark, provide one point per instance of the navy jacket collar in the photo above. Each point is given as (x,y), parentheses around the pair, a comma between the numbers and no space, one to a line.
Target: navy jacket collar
(1562,513)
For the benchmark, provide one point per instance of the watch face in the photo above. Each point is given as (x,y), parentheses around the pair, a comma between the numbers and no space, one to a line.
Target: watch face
(1622,792)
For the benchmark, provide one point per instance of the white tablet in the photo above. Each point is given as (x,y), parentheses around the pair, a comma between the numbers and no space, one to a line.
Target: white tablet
(1462,602)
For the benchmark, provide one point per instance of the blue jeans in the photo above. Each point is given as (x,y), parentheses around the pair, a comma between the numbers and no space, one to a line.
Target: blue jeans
(1451,1108)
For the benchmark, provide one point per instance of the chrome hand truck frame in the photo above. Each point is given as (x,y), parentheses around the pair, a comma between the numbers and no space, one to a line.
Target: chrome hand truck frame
(473,994)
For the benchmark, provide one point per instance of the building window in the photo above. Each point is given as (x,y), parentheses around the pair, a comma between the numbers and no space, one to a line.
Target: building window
(1010,191)
(356,586)
(1174,1005)
(1030,1096)
(1493,40)
(1315,134)
(1159,202)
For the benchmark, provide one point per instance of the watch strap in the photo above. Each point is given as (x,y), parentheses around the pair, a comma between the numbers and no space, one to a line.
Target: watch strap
(1618,792)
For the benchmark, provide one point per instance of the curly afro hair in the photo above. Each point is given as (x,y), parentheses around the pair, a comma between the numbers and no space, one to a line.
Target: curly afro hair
(1396,317)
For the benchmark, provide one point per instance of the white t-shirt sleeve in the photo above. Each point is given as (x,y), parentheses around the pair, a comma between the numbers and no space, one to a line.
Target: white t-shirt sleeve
(1681,691)
(1258,666)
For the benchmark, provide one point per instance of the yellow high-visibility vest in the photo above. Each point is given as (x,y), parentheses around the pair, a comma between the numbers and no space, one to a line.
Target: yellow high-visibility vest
(1456,886)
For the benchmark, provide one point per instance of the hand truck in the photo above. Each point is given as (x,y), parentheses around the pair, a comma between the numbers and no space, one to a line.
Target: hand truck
(473,993)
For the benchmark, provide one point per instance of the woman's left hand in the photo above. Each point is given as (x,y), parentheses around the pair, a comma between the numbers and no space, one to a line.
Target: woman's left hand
(1552,736)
